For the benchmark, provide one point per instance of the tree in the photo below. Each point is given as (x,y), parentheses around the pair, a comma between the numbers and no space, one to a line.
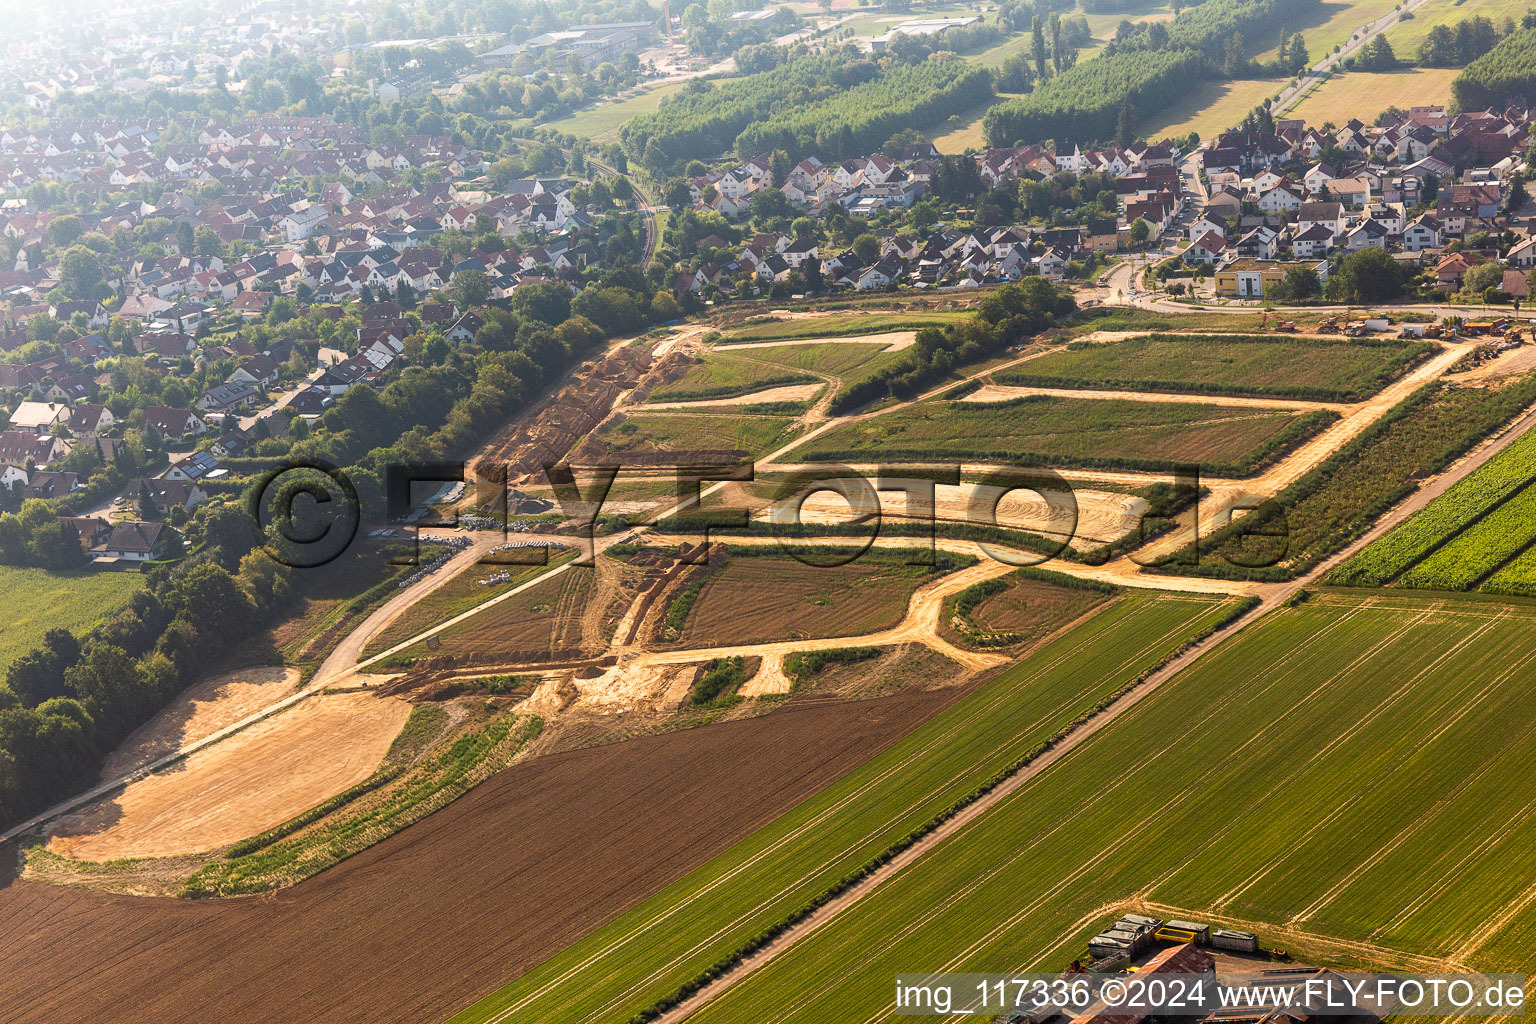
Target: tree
(1370,275)
(1299,59)
(185,238)
(1481,277)
(1038,47)
(1125,130)
(79,272)
(1235,59)
(616,310)
(471,288)
(867,248)
(65,230)
(206,242)
(1377,55)
(1438,50)
(547,301)
(1299,283)
(1140,231)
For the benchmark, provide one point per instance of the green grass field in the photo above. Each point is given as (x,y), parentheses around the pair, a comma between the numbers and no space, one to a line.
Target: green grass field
(1048,430)
(1332,24)
(602,123)
(646,953)
(1337,500)
(849,362)
(33,601)
(720,375)
(1461,508)
(1347,769)
(1318,370)
(1406,36)
(963,131)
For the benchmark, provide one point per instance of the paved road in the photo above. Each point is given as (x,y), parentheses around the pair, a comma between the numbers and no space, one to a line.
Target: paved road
(1323,70)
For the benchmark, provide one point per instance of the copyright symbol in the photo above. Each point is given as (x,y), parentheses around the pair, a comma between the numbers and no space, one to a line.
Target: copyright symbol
(1113,992)
(308,513)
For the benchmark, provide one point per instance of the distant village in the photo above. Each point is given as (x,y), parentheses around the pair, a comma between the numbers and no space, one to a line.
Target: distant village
(239,191)
(1260,204)
(300,210)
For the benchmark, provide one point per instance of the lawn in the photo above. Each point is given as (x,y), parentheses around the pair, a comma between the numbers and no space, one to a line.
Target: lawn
(1331,25)
(963,131)
(602,123)
(1343,769)
(1314,369)
(1406,36)
(680,431)
(646,953)
(1084,432)
(1364,94)
(33,601)
(851,362)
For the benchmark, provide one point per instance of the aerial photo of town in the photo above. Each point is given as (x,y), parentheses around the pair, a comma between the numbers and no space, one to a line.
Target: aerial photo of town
(767,511)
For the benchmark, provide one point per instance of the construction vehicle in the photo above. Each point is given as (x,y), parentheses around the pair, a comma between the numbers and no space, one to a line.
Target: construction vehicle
(1287,326)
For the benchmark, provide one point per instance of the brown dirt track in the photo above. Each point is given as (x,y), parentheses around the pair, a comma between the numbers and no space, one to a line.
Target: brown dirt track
(421,925)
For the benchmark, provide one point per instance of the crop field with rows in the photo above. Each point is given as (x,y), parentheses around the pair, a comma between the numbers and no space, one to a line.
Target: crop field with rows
(690,431)
(644,955)
(1314,369)
(1048,430)
(1338,499)
(1347,771)
(1430,544)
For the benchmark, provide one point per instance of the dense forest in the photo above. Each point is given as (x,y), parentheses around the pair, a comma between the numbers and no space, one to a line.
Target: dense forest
(832,105)
(860,120)
(1084,104)
(1506,74)
(1145,69)
(705,117)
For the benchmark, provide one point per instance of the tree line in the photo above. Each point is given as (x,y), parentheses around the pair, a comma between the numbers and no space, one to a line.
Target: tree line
(1505,74)
(1146,67)
(1008,315)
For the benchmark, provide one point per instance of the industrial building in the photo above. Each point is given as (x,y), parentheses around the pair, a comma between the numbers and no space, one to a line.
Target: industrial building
(593,44)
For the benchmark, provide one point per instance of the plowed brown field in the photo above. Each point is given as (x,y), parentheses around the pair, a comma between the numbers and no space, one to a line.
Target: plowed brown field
(419,926)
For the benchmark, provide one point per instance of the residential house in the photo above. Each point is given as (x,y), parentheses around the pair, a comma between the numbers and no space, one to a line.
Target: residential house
(40,417)
(137,542)
(174,424)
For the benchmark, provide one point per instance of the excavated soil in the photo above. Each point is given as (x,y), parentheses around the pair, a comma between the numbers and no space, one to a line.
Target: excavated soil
(429,920)
(258,778)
